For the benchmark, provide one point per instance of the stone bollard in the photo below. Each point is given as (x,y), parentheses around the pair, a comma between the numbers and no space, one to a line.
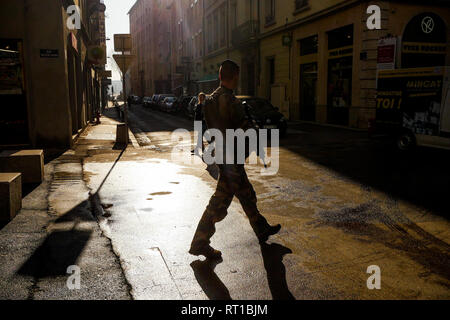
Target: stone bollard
(10,196)
(28,162)
(122,136)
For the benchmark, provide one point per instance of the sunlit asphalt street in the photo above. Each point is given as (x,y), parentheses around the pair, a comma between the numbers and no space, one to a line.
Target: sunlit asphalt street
(345,203)
(126,219)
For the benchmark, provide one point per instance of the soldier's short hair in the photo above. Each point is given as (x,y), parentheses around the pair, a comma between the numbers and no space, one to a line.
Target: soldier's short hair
(228,69)
(201,94)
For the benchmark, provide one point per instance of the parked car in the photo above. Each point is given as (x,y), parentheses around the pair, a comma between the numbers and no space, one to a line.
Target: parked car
(147,102)
(169,104)
(182,103)
(160,102)
(135,99)
(154,101)
(265,114)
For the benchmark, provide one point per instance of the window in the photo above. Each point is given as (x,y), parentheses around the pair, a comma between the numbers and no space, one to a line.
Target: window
(300,4)
(309,45)
(216,30)
(210,34)
(341,37)
(223,26)
(233,15)
(270,11)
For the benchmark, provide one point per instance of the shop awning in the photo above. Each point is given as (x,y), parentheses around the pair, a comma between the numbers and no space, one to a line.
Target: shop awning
(209,78)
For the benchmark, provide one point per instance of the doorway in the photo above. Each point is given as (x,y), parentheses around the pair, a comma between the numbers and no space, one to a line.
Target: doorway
(308,91)
(340,68)
(13,102)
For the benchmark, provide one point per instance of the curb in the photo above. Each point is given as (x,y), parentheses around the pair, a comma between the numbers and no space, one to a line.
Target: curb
(133,140)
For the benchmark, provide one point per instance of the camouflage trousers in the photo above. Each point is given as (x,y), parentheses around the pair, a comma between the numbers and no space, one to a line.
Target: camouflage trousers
(233,181)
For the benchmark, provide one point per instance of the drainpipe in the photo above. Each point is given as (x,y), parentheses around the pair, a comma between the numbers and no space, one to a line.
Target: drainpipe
(228,29)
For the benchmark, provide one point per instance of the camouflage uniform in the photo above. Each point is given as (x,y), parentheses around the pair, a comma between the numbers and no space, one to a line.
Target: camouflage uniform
(224,111)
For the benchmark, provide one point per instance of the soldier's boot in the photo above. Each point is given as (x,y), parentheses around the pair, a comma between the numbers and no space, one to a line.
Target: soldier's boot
(207,251)
(269,231)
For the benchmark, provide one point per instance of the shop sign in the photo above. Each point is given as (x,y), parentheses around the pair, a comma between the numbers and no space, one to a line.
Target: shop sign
(387,51)
(427,25)
(49,53)
(424,48)
(340,52)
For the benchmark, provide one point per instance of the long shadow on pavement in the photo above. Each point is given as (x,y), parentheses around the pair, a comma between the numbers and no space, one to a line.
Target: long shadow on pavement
(208,280)
(272,255)
(62,248)
(421,177)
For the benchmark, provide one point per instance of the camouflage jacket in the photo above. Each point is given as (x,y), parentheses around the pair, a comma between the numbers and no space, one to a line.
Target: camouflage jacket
(224,111)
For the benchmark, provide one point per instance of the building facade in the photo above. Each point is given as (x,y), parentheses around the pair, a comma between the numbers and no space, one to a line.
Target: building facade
(319,60)
(150,27)
(189,40)
(231,32)
(49,85)
(315,60)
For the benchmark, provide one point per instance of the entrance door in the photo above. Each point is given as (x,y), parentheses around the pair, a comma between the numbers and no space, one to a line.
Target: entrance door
(13,104)
(308,91)
(339,90)
(340,63)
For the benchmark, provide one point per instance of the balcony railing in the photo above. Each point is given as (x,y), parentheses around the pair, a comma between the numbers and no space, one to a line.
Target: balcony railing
(245,33)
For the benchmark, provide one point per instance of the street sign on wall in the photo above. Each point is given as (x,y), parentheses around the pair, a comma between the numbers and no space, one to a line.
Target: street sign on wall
(387,51)
(122,42)
(49,53)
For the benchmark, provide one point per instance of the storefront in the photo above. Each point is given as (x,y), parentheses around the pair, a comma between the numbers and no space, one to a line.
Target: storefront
(13,105)
(209,83)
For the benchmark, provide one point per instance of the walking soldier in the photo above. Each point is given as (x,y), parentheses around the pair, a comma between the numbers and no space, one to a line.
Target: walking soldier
(224,111)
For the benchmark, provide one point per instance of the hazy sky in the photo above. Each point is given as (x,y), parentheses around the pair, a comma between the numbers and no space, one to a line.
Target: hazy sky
(117,21)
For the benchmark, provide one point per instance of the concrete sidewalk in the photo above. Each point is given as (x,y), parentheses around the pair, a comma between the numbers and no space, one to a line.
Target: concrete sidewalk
(58,228)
